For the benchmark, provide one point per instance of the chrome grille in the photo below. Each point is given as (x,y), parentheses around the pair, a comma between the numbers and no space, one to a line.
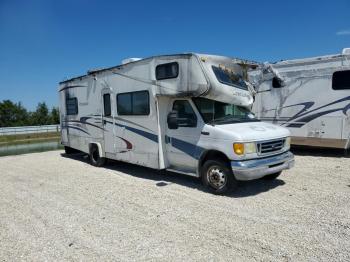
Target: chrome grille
(271,146)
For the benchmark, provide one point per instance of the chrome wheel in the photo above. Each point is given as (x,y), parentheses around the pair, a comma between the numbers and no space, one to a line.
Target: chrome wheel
(216,177)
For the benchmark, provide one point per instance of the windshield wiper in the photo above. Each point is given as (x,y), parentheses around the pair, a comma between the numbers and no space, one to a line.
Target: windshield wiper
(224,119)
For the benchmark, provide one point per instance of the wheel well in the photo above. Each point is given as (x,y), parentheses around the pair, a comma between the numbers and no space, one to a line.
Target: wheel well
(98,146)
(91,145)
(211,155)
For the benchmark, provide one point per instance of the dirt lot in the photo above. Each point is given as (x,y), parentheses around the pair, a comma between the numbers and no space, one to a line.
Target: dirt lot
(58,208)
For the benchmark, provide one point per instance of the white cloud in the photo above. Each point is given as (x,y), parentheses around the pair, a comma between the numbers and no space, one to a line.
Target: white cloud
(343,32)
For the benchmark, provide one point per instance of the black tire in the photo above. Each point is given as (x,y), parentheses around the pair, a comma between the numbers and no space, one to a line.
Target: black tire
(217,177)
(68,150)
(272,176)
(95,158)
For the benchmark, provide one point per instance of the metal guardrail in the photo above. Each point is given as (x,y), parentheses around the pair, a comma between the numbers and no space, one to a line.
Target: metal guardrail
(20,130)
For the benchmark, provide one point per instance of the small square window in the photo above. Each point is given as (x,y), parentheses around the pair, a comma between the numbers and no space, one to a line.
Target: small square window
(167,71)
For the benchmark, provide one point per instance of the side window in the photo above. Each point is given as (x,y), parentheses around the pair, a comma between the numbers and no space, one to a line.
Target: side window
(133,103)
(107,104)
(186,116)
(167,71)
(124,104)
(341,80)
(72,105)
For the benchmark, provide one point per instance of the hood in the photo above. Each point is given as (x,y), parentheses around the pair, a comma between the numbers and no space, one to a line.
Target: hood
(253,131)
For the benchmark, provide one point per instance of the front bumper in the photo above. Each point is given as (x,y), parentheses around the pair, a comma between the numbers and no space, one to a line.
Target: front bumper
(257,168)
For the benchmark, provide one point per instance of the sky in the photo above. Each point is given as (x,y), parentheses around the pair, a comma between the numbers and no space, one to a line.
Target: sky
(43,42)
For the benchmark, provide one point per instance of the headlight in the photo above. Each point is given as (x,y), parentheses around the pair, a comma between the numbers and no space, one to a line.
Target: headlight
(249,148)
(287,143)
(244,148)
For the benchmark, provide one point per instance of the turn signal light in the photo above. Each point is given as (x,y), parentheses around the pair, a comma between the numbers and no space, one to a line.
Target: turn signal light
(238,148)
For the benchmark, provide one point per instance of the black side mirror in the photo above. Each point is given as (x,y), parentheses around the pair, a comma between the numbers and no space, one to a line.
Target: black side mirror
(172,120)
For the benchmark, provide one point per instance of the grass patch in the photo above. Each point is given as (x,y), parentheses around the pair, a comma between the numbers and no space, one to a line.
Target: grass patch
(29,137)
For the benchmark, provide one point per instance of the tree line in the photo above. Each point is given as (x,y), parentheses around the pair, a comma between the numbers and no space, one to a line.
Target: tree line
(14,114)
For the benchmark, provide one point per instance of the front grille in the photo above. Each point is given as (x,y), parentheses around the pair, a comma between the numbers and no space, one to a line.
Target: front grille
(272,146)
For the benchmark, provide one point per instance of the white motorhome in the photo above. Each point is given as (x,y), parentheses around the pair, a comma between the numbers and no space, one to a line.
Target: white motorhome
(187,113)
(311,97)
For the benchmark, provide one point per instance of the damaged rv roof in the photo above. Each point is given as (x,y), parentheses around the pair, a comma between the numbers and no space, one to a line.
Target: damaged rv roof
(243,62)
(312,60)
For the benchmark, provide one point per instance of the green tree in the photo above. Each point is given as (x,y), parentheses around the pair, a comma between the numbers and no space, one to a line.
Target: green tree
(12,114)
(41,115)
(55,116)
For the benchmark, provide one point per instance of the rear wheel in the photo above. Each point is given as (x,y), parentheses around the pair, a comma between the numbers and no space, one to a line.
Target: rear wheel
(272,176)
(218,177)
(95,158)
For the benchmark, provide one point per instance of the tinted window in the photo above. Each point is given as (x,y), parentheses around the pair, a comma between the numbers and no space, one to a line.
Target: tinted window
(166,71)
(107,104)
(140,103)
(186,115)
(72,106)
(133,103)
(124,104)
(228,77)
(341,80)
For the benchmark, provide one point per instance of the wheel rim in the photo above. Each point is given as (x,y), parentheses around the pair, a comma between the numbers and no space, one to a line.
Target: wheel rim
(216,177)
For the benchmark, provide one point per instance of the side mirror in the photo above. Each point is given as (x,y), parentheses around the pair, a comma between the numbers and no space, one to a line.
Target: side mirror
(172,120)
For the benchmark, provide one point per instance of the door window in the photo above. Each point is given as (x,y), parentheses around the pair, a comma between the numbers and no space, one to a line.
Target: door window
(186,115)
(107,104)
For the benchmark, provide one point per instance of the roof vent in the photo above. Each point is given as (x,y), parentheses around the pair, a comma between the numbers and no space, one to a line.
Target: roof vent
(346,51)
(129,60)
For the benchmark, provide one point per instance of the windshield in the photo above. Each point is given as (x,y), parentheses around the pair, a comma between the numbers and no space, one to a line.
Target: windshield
(228,77)
(214,112)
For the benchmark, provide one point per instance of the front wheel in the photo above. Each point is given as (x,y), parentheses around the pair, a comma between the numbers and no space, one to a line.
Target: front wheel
(218,177)
(272,176)
(95,158)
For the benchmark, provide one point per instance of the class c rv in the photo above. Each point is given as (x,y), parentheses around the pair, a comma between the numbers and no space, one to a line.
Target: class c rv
(310,96)
(186,113)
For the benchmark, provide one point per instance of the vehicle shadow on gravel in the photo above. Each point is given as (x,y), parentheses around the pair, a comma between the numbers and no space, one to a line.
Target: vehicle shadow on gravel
(163,179)
(320,151)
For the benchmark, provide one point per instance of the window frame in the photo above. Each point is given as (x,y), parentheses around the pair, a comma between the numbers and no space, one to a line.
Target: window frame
(167,64)
(334,75)
(76,112)
(131,93)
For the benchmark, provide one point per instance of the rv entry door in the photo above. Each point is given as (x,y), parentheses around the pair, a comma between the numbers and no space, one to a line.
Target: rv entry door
(108,122)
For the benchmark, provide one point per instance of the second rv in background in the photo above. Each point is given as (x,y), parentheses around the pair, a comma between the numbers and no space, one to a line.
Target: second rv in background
(310,96)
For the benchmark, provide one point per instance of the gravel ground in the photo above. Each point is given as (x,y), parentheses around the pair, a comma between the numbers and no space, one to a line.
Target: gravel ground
(57,208)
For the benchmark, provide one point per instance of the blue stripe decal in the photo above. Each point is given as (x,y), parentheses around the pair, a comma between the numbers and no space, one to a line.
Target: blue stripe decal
(83,122)
(186,147)
(145,134)
(73,127)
